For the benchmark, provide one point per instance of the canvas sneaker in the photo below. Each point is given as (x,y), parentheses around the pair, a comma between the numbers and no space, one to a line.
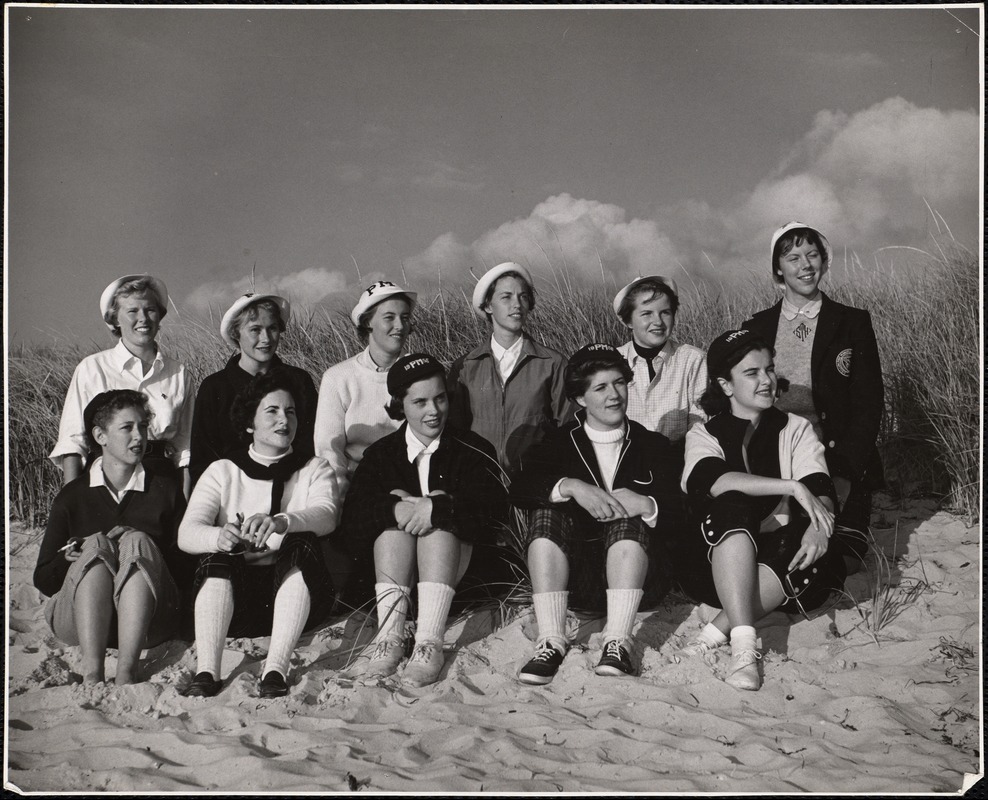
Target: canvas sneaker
(615,660)
(743,672)
(425,664)
(697,646)
(543,666)
(384,661)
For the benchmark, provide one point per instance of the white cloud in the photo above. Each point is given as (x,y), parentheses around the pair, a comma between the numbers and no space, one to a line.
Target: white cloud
(305,287)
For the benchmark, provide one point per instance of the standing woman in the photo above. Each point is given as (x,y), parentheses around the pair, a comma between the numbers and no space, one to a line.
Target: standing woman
(669,377)
(132,308)
(255,518)
(763,505)
(509,389)
(828,354)
(353,394)
(253,325)
(421,500)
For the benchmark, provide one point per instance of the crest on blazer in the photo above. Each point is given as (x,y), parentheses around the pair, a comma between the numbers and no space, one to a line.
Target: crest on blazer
(844,362)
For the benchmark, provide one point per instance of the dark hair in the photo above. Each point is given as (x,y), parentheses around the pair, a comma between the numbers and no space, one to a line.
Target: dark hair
(252,311)
(395,406)
(363,321)
(791,239)
(489,294)
(143,285)
(245,404)
(576,378)
(102,408)
(651,287)
(713,401)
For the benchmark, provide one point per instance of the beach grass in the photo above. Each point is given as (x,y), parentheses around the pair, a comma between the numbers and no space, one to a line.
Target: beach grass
(927,326)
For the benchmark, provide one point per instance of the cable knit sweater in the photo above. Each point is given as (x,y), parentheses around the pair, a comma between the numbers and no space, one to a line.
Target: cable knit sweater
(310,501)
(350,415)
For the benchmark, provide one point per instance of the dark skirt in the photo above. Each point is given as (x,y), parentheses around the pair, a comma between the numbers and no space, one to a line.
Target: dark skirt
(255,586)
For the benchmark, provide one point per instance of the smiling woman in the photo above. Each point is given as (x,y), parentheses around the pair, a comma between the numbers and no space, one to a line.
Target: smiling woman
(132,308)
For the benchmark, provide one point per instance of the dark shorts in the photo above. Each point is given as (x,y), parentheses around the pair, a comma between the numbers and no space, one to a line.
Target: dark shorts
(585,543)
(735,513)
(255,586)
(133,551)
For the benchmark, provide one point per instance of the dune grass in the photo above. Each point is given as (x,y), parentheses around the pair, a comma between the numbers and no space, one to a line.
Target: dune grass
(928,332)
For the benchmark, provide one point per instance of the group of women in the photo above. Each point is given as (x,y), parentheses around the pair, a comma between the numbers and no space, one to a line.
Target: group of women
(745,471)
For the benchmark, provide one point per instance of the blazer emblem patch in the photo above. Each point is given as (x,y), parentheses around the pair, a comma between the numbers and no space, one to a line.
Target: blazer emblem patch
(844,362)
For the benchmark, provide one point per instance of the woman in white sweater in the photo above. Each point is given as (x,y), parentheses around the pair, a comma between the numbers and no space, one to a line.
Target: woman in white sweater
(254,518)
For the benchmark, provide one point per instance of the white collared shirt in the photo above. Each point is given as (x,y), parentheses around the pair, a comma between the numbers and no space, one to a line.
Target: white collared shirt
(97,478)
(811,310)
(507,358)
(420,455)
(166,385)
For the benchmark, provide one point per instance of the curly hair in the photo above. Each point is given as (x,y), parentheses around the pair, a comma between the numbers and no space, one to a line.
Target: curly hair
(713,401)
(245,404)
(104,406)
(577,377)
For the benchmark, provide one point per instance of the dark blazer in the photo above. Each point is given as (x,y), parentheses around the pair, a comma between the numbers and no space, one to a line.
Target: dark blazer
(848,391)
(464,466)
(647,465)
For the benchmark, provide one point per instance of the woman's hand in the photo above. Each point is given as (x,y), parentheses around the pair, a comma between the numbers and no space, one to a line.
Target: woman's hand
(72,549)
(638,505)
(597,502)
(117,531)
(228,539)
(419,520)
(812,548)
(256,530)
(821,517)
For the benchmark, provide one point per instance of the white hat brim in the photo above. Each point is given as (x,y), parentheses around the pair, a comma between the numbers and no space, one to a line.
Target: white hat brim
(490,277)
(377,293)
(828,250)
(226,324)
(106,299)
(619,297)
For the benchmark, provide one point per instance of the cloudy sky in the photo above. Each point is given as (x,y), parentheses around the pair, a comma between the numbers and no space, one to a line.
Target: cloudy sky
(193,143)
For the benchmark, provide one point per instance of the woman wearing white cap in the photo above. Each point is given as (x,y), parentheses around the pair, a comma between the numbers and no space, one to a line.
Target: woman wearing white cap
(669,377)
(253,326)
(828,354)
(353,394)
(132,308)
(509,389)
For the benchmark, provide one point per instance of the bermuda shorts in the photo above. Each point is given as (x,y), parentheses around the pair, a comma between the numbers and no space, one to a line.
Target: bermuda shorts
(133,551)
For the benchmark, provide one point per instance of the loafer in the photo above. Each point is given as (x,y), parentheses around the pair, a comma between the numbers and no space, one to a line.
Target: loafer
(202,685)
(543,666)
(424,665)
(615,660)
(273,684)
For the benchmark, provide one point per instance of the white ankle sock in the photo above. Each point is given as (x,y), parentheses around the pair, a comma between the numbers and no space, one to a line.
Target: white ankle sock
(213,612)
(392,610)
(550,614)
(434,602)
(291,610)
(712,635)
(622,610)
(743,638)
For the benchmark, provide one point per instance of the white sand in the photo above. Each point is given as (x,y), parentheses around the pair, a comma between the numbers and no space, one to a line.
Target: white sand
(838,712)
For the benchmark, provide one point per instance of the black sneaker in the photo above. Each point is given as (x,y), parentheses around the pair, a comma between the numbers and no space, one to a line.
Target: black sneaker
(614,660)
(543,666)
(273,684)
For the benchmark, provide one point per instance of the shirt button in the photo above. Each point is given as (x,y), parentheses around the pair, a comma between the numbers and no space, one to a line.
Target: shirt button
(806,580)
(831,443)
(823,415)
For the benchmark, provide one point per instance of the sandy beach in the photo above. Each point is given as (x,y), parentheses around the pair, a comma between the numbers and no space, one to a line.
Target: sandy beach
(838,712)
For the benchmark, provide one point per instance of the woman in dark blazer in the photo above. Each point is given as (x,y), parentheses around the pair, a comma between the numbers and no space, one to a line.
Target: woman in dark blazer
(828,354)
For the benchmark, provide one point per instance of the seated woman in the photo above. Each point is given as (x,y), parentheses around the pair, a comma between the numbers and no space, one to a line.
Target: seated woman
(669,377)
(421,498)
(255,518)
(828,354)
(603,478)
(132,308)
(104,562)
(758,481)
(253,326)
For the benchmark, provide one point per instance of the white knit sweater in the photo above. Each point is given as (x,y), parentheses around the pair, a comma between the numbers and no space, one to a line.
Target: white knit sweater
(351,416)
(310,501)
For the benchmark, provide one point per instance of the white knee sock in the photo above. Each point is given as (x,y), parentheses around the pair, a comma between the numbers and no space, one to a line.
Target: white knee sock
(392,610)
(622,610)
(550,613)
(434,602)
(743,638)
(291,610)
(214,610)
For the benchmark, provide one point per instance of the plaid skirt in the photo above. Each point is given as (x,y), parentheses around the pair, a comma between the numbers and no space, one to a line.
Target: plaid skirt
(255,586)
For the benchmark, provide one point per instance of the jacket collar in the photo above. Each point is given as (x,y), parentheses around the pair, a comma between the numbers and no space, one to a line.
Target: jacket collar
(529,347)
(585,449)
